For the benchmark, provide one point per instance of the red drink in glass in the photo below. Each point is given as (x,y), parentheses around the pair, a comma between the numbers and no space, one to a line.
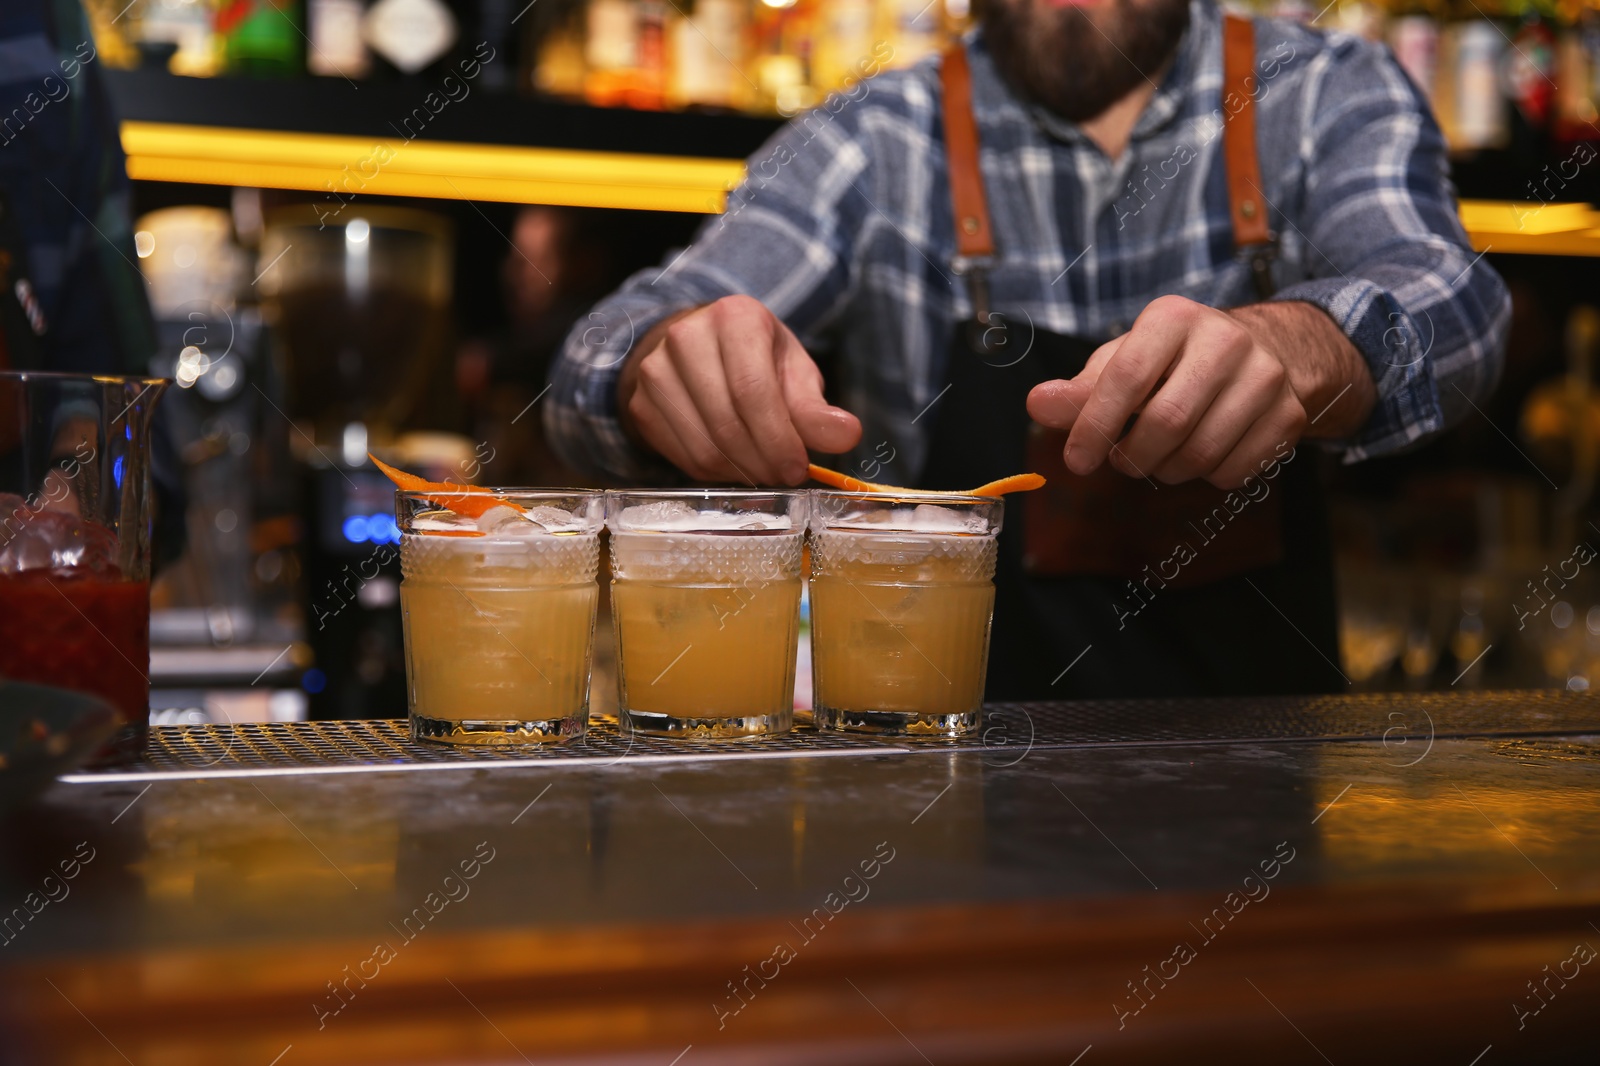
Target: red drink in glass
(80,630)
(75,522)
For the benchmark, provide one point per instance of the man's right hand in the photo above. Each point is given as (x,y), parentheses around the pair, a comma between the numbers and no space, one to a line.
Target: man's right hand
(726,393)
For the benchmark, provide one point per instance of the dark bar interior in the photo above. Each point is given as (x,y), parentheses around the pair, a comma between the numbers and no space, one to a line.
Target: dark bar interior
(490,570)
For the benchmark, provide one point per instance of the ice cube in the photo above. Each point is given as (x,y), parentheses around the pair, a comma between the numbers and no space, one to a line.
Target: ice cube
(870,518)
(931,518)
(503,518)
(677,516)
(663,514)
(53,540)
(553,519)
(760,521)
(441,522)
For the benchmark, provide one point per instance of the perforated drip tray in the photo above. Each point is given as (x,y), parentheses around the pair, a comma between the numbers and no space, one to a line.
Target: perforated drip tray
(1009,730)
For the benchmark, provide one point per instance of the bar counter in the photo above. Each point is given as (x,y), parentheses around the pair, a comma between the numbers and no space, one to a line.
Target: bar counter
(1342,879)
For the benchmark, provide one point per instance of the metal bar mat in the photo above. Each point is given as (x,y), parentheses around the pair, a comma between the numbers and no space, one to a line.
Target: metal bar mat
(1009,730)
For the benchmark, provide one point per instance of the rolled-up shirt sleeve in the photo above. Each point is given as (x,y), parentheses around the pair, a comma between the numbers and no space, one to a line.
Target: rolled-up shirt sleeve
(1389,260)
(788,237)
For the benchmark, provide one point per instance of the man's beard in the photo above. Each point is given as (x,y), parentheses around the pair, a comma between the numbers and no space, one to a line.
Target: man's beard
(1060,58)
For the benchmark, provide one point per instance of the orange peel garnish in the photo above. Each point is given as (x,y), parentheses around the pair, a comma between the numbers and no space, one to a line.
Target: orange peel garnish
(1007,485)
(470,501)
(846,483)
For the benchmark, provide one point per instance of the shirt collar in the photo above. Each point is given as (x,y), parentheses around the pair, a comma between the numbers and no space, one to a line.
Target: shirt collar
(1198,50)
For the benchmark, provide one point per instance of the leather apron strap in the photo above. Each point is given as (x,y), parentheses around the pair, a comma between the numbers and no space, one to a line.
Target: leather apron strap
(974,236)
(1251,235)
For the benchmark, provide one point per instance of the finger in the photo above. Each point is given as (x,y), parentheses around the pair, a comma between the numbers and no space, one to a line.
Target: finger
(1057,404)
(822,426)
(1124,382)
(693,344)
(660,378)
(1285,425)
(1179,405)
(751,372)
(1225,423)
(656,431)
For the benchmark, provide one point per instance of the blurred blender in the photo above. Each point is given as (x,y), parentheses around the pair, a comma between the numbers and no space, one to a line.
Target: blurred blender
(359,304)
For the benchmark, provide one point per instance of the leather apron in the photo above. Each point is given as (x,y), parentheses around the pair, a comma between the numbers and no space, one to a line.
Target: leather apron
(1117,586)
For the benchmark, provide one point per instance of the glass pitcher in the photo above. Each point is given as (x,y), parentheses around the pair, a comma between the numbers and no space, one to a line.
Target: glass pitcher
(75,526)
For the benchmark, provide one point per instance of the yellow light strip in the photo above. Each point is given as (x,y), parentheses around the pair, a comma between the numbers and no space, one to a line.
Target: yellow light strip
(1531,228)
(344,166)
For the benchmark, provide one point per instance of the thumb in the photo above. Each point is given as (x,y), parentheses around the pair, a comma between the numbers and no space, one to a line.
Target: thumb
(822,426)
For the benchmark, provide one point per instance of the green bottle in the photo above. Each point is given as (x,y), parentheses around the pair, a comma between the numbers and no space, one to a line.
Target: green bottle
(262,38)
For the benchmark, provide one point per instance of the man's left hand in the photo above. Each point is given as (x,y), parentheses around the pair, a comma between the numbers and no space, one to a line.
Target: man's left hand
(1215,392)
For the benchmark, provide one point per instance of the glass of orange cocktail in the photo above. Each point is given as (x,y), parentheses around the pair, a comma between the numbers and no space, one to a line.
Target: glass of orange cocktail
(902,593)
(499,614)
(705,594)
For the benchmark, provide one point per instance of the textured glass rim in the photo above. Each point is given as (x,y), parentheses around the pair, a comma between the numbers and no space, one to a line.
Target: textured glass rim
(706,494)
(958,498)
(823,518)
(771,502)
(501,493)
(585,505)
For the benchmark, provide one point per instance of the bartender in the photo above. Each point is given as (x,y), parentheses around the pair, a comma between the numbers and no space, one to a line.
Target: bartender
(1159,254)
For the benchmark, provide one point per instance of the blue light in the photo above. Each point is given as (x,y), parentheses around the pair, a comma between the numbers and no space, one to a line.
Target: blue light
(381,529)
(116,471)
(313,681)
(127,431)
(356,529)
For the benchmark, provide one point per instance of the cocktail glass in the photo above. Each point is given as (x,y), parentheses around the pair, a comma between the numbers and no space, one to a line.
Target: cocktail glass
(902,593)
(75,516)
(499,614)
(705,593)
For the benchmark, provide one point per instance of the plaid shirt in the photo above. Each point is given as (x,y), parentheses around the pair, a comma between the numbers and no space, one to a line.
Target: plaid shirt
(843,227)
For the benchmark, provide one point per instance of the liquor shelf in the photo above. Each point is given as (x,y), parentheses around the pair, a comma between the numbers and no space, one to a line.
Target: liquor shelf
(381,139)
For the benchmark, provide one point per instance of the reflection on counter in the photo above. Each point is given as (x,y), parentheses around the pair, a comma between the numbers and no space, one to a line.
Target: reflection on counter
(199,861)
(1509,807)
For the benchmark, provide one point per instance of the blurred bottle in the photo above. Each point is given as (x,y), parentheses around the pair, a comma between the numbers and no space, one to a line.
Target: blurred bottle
(1357,17)
(782,60)
(334,43)
(1415,41)
(611,51)
(115,27)
(845,37)
(1575,112)
(410,38)
(649,86)
(184,25)
(493,23)
(1530,70)
(262,37)
(707,56)
(559,61)
(1475,115)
